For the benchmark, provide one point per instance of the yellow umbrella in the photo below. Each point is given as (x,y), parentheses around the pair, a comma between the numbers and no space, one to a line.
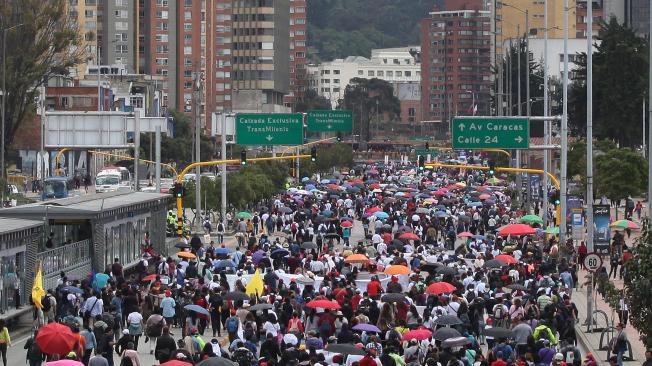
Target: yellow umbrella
(186,255)
(255,285)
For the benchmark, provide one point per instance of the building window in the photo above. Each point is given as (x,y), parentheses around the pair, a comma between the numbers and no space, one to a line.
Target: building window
(187,26)
(163,38)
(121,26)
(399,74)
(162,14)
(121,48)
(336,81)
(390,74)
(380,73)
(122,14)
(370,73)
(408,74)
(360,72)
(187,50)
(121,37)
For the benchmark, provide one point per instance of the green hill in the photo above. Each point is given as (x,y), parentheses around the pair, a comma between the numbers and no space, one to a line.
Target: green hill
(340,28)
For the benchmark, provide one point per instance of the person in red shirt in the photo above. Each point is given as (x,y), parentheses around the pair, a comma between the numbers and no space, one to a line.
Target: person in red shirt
(499,360)
(355,300)
(368,359)
(374,289)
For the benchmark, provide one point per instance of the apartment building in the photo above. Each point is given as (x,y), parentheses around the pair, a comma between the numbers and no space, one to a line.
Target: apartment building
(298,52)
(84,13)
(455,63)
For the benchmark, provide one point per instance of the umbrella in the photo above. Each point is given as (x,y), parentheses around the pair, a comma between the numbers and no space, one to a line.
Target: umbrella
(305,281)
(345,349)
(290,339)
(517,287)
(625,224)
(309,245)
(176,363)
(182,245)
(346,224)
(243,215)
(356,258)
(475,204)
(439,288)
(443,334)
(516,229)
(531,219)
(72,290)
(409,236)
(498,332)
(235,296)
(484,196)
(455,342)
(56,339)
(225,263)
(262,306)
(465,234)
(327,213)
(324,304)
(445,270)
(216,361)
(418,334)
(448,320)
(367,328)
(506,258)
(552,230)
(285,210)
(404,229)
(196,309)
(393,297)
(64,363)
(493,180)
(151,277)
(258,256)
(186,255)
(223,250)
(374,209)
(331,236)
(279,253)
(493,263)
(429,267)
(422,210)
(381,215)
(397,270)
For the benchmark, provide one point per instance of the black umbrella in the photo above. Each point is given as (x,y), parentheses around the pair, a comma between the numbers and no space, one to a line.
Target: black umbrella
(279,253)
(285,210)
(455,342)
(443,334)
(331,236)
(217,361)
(517,287)
(429,267)
(235,296)
(498,332)
(493,263)
(448,320)
(445,270)
(345,349)
(309,245)
(261,307)
(393,297)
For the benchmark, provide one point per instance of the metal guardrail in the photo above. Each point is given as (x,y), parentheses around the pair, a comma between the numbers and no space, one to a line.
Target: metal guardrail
(65,258)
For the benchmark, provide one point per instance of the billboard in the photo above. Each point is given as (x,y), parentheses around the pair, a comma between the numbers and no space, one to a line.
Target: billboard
(601,231)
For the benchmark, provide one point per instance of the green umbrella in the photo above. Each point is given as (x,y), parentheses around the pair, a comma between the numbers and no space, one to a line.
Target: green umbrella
(552,230)
(531,219)
(244,215)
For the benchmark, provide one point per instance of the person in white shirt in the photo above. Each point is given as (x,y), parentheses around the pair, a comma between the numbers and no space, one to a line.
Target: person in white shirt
(94,305)
(381,248)
(376,239)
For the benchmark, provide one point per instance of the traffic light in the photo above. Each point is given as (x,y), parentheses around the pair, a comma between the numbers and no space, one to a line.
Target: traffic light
(313,154)
(243,157)
(177,190)
(492,167)
(553,198)
(339,137)
(421,162)
(427,146)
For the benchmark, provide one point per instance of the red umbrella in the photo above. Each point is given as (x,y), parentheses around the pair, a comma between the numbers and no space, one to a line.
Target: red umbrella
(439,288)
(176,363)
(516,229)
(346,224)
(371,210)
(418,334)
(409,236)
(333,186)
(56,339)
(506,258)
(324,304)
(484,196)
(465,234)
(374,186)
(151,277)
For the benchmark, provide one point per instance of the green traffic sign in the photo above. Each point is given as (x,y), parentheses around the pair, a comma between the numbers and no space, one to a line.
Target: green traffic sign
(330,121)
(269,128)
(491,133)
(425,152)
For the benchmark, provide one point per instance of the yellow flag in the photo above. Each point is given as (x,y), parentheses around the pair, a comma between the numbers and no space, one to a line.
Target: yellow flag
(37,289)
(255,285)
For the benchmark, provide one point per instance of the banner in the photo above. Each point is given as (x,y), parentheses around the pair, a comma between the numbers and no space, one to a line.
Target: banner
(601,231)
(37,289)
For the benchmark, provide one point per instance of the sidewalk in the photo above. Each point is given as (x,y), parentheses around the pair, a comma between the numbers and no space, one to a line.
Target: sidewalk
(591,341)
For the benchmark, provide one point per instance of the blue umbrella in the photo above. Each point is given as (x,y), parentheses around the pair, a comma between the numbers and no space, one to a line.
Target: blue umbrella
(475,204)
(279,253)
(305,179)
(258,256)
(324,181)
(72,290)
(442,214)
(481,237)
(100,281)
(196,308)
(381,215)
(223,251)
(367,328)
(225,263)
(310,187)
(327,213)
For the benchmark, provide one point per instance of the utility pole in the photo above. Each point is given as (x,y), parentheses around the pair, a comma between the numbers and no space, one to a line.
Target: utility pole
(136,150)
(158,159)
(590,231)
(649,140)
(564,137)
(196,108)
(223,157)
(546,134)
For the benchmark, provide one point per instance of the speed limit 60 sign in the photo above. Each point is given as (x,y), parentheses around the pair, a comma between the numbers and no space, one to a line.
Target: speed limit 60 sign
(592,262)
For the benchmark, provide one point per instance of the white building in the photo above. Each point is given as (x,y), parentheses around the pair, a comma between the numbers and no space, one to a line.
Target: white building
(395,65)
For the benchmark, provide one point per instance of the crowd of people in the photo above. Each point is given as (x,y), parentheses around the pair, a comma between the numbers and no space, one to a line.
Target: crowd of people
(443,273)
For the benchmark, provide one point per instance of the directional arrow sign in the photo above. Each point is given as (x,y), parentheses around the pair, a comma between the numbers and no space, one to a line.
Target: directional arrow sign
(491,133)
(269,128)
(330,121)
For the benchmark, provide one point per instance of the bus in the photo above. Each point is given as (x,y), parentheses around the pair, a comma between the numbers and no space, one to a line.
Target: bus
(111,179)
(56,187)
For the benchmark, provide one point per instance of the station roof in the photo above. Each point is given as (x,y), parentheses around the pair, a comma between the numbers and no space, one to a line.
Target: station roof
(11,225)
(82,207)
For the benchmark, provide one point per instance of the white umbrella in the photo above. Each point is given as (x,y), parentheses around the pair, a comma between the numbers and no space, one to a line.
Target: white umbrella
(290,338)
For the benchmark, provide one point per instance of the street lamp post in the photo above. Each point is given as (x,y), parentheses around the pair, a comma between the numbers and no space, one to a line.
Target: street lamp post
(472,101)
(4,93)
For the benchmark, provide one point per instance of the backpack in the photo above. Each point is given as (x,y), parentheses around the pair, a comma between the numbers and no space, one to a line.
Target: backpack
(47,304)
(294,326)
(140,267)
(498,313)
(232,325)
(248,330)
(126,361)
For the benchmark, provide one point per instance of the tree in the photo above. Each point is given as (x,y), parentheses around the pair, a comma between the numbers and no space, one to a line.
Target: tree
(638,281)
(312,101)
(366,97)
(620,173)
(619,86)
(44,40)
(329,157)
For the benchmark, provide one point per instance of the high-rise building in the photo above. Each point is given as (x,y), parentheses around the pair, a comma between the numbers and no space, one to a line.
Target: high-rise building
(85,14)
(298,52)
(118,37)
(455,63)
